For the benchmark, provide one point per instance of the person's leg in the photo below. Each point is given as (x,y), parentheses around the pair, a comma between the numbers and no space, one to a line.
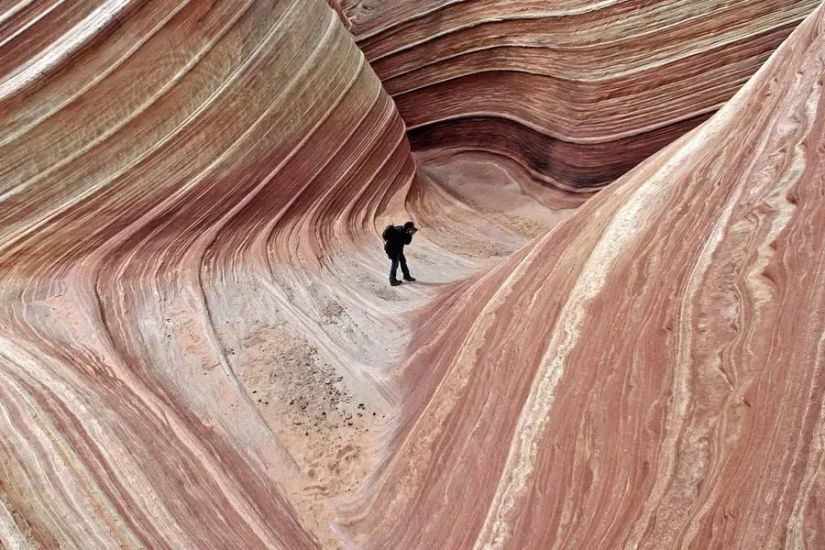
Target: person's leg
(394,268)
(403,261)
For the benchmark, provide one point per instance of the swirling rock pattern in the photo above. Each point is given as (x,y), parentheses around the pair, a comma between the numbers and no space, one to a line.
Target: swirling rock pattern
(577,91)
(649,373)
(161,161)
(198,348)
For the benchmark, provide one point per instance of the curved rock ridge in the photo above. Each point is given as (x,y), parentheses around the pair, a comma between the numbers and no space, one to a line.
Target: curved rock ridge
(175,178)
(648,374)
(577,91)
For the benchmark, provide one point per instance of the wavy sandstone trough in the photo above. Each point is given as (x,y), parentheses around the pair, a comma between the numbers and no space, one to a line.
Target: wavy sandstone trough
(198,348)
(577,91)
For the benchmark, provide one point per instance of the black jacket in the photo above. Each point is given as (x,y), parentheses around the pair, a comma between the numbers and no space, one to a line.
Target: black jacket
(396,239)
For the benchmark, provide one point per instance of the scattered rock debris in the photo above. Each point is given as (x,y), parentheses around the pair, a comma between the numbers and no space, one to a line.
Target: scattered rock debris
(308,405)
(332,312)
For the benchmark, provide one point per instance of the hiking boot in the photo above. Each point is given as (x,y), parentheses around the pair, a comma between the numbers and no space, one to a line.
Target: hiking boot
(394,282)
(409,278)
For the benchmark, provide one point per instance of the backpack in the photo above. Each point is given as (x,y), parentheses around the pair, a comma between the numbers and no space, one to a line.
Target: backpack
(388,231)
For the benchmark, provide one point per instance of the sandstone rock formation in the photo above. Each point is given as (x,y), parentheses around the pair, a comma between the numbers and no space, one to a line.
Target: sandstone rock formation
(649,373)
(161,161)
(198,348)
(577,91)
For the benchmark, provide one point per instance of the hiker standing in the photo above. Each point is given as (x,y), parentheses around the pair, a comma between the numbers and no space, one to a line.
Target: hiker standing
(395,237)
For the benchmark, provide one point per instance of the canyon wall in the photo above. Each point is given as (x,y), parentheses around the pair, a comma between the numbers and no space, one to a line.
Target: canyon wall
(157,157)
(576,91)
(648,374)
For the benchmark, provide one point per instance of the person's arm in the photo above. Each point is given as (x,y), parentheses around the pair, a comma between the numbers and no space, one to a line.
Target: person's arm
(407,237)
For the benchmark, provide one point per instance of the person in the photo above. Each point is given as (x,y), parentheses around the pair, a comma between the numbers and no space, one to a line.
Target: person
(395,238)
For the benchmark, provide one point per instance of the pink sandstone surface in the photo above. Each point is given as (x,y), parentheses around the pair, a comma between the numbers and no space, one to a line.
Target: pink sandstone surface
(198,347)
(577,91)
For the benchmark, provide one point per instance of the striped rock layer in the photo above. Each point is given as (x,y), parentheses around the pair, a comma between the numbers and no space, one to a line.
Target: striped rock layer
(198,348)
(154,155)
(649,374)
(577,91)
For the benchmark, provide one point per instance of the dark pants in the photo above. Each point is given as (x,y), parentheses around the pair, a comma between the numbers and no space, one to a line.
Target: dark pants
(396,260)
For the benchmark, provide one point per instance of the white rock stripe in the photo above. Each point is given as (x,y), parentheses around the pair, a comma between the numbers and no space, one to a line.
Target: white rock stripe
(630,221)
(65,46)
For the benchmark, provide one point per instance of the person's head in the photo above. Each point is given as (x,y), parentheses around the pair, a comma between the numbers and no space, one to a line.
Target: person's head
(410,227)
